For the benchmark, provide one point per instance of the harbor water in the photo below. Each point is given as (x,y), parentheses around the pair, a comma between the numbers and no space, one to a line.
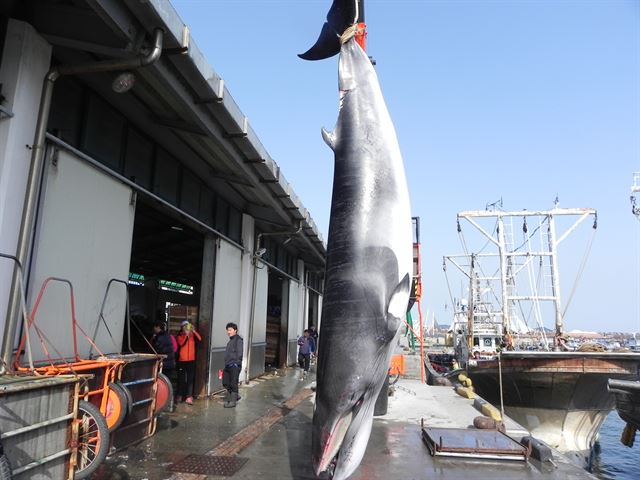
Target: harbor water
(612,460)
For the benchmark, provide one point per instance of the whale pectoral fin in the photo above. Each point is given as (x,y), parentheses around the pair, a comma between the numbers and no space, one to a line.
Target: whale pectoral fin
(329,138)
(397,307)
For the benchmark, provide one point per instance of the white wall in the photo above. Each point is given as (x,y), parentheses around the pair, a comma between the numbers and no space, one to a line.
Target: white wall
(226,297)
(25,61)
(84,234)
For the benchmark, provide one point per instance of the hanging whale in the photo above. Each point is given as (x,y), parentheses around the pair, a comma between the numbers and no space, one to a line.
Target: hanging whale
(368,270)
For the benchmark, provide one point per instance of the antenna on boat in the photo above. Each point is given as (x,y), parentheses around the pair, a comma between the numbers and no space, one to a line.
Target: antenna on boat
(635,194)
(492,207)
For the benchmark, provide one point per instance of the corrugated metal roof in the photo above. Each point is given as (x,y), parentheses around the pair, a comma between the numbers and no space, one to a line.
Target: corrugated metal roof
(185,94)
(210,87)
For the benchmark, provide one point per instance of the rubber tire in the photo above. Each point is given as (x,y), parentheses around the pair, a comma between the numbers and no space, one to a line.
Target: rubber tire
(116,394)
(5,468)
(164,388)
(97,423)
(129,396)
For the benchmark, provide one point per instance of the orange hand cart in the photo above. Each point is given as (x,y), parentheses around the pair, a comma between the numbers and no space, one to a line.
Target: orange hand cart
(104,402)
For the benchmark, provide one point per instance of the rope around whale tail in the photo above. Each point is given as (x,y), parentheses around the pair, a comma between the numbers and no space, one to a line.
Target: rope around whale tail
(344,21)
(357,30)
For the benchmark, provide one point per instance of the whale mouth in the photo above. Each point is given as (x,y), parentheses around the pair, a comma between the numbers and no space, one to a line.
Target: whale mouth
(332,447)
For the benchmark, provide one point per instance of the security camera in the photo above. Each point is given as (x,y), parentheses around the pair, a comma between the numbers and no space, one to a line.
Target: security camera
(260,252)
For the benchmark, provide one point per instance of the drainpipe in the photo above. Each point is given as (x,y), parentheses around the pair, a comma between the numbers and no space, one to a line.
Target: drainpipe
(35,173)
(256,257)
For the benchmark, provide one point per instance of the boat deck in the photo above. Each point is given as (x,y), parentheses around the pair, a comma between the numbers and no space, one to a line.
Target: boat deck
(268,435)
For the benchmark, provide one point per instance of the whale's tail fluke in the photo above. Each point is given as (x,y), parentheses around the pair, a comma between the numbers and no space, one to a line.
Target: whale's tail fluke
(342,14)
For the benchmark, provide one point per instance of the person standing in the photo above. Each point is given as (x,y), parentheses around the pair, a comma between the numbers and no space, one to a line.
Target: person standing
(186,340)
(232,365)
(313,333)
(306,346)
(163,343)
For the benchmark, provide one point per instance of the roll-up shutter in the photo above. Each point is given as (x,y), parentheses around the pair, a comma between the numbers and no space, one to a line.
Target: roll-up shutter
(84,234)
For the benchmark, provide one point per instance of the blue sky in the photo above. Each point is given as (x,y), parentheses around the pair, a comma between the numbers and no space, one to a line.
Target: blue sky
(519,100)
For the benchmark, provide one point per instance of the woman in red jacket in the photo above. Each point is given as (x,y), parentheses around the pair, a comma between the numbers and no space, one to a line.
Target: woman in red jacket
(186,340)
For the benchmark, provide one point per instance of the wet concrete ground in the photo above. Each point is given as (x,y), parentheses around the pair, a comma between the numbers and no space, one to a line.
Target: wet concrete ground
(395,449)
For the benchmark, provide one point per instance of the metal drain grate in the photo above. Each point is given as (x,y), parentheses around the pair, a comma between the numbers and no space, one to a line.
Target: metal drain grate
(209,465)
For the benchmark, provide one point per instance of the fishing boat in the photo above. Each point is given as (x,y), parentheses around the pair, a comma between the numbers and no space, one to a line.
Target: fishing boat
(627,393)
(515,362)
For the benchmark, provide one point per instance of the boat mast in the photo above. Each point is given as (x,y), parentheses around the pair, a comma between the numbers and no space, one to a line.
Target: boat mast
(555,278)
(504,285)
(471,307)
(635,192)
(511,262)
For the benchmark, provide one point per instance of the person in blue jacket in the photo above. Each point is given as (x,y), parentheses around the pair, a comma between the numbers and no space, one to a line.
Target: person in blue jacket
(306,347)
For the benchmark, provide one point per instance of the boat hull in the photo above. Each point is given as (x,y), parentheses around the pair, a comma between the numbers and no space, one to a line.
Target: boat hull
(560,397)
(627,396)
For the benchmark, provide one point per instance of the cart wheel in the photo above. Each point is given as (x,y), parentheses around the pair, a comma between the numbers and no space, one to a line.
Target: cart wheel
(5,468)
(93,440)
(116,406)
(128,395)
(164,393)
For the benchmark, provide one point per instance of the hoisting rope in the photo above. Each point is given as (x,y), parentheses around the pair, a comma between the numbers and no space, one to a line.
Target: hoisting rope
(357,30)
(535,307)
(580,272)
(349,33)
(444,268)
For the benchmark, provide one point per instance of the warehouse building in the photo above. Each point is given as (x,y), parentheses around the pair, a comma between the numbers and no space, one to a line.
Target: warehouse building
(127,169)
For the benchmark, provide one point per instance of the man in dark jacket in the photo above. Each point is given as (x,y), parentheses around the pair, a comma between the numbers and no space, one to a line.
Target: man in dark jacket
(232,365)
(163,344)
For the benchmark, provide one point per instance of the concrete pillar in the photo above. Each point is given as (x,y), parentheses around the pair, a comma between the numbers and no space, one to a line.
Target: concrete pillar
(303,314)
(259,327)
(246,290)
(287,317)
(205,315)
(25,61)
(297,314)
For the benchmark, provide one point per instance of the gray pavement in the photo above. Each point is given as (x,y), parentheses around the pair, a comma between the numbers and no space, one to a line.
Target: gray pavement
(395,449)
